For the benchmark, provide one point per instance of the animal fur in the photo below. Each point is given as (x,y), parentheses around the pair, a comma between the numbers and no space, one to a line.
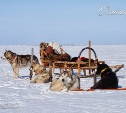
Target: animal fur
(42,78)
(18,61)
(40,74)
(55,46)
(52,54)
(56,84)
(59,57)
(71,81)
(43,46)
(108,79)
(67,81)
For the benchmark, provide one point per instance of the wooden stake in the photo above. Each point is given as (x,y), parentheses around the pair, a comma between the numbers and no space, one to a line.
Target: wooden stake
(50,70)
(89,56)
(95,79)
(32,53)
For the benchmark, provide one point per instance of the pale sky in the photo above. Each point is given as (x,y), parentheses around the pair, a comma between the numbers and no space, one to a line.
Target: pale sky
(30,22)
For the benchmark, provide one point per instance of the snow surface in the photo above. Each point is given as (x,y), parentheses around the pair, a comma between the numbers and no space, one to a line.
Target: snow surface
(20,96)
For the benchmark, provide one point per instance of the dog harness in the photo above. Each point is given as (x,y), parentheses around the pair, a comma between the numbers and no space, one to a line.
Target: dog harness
(103,70)
(12,59)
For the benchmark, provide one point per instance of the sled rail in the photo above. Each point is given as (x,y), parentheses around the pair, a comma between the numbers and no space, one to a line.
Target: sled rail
(107,89)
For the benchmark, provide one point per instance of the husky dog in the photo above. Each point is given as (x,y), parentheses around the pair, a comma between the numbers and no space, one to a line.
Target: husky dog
(18,61)
(71,81)
(56,84)
(40,74)
(108,78)
(36,69)
(67,81)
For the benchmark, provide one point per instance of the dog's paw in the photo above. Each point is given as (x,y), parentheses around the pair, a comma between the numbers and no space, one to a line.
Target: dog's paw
(33,81)
(16,77)
(64,89)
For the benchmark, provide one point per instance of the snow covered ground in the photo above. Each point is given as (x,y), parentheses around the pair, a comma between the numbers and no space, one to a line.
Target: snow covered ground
(20,96)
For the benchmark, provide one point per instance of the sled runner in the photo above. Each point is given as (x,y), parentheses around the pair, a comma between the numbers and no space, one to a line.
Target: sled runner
(107,89)
(99,89)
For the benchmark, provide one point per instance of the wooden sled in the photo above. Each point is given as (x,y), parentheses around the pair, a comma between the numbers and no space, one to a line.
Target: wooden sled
(84,69)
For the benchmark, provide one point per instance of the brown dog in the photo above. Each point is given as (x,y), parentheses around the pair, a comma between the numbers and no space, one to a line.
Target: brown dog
(40,75)
(18,61)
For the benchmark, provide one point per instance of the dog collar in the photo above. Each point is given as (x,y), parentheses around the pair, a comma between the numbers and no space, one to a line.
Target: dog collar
(103,70)
(11,60)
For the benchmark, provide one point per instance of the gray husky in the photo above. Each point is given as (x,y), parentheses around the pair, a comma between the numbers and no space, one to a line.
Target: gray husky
(65,82)
(18,61)
(70,80)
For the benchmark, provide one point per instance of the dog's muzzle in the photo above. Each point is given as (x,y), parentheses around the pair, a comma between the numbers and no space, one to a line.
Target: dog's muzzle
(30,69)
(3,57)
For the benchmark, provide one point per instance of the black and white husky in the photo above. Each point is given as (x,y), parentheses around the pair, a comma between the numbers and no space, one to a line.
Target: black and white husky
(18,61)
(70,80)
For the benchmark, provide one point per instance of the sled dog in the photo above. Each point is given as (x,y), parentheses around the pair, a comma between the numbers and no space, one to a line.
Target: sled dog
(108,79)
(67,81)
(56,84)
(40,75)
(18,61)
(71,81)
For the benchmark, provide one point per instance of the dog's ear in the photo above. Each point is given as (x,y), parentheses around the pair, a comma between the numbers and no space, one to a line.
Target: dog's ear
(98,63)
(9,51)
(47,44)
(70,71)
